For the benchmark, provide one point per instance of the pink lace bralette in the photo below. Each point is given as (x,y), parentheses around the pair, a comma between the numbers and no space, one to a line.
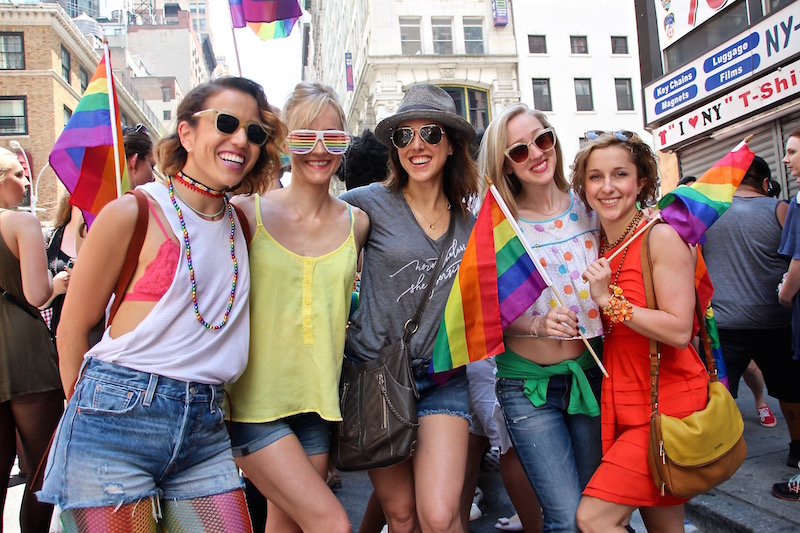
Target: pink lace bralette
(159,273)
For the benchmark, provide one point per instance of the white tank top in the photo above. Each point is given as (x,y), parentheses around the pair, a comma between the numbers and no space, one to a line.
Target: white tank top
(170,341)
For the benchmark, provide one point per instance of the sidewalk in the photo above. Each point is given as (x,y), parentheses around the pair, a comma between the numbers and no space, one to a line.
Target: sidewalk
(745,502)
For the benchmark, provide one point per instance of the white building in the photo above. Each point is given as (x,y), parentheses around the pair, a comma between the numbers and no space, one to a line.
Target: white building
(579,63)
(395,43)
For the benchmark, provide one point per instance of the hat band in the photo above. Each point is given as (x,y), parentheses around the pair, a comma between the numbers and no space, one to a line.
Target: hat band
(422,107)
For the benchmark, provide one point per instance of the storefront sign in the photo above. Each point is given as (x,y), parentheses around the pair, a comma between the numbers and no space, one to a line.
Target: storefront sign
(676,18)
(765,45)
(749,98)
(500,12)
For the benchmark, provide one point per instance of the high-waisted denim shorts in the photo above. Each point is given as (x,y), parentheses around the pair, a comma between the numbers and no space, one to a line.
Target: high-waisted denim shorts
(128,435)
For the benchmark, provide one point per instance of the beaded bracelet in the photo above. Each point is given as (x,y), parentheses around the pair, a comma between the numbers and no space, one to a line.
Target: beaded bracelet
(618,308)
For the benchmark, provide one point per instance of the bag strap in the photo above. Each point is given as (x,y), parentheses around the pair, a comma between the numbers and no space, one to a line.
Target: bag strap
(132,255)
(412,324)
(655,346)
(243,223)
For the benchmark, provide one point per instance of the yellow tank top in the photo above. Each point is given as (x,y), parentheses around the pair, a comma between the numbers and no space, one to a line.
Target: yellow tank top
(298,313)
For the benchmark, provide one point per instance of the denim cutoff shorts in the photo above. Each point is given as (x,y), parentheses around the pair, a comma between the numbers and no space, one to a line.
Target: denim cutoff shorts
(450,398)
(128,435)
(313,432)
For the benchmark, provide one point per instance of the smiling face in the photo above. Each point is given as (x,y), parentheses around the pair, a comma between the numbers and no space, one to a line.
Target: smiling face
(539,167)
(422,161)
(792,159)
(13,183)
(612,183)
(318,165)
(216,159)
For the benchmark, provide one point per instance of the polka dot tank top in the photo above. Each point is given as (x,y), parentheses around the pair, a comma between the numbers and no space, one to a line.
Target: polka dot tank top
(566,245)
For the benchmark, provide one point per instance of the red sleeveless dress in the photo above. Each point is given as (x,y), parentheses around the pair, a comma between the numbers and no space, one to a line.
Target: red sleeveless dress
(623,475)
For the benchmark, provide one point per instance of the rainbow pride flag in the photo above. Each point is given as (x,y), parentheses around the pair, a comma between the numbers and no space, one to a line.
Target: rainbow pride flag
(88,156)
(496,282)
(692,209)
(278,29)
(244,11)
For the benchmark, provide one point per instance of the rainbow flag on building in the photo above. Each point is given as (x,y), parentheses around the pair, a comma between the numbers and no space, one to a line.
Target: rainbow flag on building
(692,209)
(89,157)
(244,11)
(496,282)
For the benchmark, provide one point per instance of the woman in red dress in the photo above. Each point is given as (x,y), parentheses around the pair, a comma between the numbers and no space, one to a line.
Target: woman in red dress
(614,175)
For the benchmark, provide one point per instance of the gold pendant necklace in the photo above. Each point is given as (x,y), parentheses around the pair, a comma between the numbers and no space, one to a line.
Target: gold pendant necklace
(431,225)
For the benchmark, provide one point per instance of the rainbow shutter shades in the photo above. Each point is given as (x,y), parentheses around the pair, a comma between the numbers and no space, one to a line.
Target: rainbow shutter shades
(692,209)
(496,282)
(89,156)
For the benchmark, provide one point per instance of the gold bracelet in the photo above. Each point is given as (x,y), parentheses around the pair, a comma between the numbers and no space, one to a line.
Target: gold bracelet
(618,308)
(532,327)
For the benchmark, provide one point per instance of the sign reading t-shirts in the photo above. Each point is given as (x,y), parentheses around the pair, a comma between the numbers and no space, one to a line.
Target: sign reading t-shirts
(772,41)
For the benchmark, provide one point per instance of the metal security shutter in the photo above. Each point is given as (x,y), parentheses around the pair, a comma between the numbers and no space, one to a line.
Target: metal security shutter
(766,143)
(788,124)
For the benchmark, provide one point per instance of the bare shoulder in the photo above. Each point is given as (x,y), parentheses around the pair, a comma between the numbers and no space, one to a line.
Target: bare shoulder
(667,246)
(22,222)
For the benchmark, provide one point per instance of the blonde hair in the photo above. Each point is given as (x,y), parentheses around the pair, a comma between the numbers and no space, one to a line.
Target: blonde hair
(642,157)
(492,155)
(7,160)
(308,100)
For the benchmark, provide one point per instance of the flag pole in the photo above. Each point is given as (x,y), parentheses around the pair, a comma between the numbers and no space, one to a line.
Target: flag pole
(113,116)
(503,207)
(235,46)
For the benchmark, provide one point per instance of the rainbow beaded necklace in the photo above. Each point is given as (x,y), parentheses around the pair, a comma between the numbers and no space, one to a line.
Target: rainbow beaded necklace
(191,268)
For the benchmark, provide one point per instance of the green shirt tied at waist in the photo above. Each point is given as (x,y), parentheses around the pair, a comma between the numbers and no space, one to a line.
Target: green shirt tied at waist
(511,365)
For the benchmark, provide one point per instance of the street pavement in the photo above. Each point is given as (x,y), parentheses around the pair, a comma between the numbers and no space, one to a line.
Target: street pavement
(742,504)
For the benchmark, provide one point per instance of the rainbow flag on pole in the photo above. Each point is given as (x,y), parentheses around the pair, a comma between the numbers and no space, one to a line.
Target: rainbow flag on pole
(244,11)
(496,282)
(692,209)
(278,29)
(89,157)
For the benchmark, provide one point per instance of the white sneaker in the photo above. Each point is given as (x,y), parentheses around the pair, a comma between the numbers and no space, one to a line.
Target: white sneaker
(475,513)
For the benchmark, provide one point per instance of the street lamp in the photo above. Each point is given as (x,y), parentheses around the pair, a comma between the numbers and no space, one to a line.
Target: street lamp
(35,185)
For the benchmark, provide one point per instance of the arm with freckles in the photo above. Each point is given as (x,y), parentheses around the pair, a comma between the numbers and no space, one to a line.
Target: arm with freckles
(92,283)
(673,280)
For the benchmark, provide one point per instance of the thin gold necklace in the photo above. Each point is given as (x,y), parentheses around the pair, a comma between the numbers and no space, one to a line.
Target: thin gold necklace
(431,225)
(552,200)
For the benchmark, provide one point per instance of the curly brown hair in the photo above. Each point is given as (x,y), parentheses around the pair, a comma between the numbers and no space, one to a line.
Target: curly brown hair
(642,157)
(171,155)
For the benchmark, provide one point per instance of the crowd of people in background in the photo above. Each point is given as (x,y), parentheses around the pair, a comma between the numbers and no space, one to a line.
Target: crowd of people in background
(215,307)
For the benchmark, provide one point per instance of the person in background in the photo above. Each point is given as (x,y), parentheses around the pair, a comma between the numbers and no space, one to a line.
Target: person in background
(556,440)
(303,257)
(62,250)
(31,400)
(432,179)
(615,174)
(138,154)
(366,161)
(145,402)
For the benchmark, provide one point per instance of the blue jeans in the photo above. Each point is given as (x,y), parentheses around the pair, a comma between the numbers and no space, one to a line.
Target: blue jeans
(128,435)
(311,430)
(558,451)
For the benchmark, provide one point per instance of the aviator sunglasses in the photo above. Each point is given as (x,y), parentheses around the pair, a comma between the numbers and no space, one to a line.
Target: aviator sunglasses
(622,135)
(229,124)
(431,134)
(545,141)
(302,142)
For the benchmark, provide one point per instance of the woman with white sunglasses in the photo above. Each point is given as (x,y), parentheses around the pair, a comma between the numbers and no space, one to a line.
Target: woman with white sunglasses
(548,384)
(303,254)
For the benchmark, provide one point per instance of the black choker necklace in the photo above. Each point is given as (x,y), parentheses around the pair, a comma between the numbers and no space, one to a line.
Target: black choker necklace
(196,186)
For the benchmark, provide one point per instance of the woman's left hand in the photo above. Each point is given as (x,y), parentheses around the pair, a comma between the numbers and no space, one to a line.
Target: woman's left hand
(558,322)
(599,277)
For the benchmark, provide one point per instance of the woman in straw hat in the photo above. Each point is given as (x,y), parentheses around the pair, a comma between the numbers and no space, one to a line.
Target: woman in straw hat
(431,179)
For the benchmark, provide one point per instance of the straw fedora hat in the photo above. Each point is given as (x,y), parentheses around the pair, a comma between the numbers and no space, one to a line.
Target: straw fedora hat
(429,102)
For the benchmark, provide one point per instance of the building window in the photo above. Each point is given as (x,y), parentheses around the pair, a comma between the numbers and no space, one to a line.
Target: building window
(192,8)
(583,94)
(67,115)
(541,94)
(578,44)
(166,94)
(537,44)
(619,45)
(13,115)
(167,114)
(201,8)
(442,35)
(12,51)
(473,35)
(84,80)
(410,36)
(624,94)
(203,25)
(65,64)
(472,104)
(194,24)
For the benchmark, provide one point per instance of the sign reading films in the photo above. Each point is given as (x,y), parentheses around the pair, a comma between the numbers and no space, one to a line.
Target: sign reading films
(772,41)
(745,100)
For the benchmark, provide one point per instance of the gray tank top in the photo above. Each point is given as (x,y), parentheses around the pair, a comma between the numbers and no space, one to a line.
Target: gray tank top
(743,261)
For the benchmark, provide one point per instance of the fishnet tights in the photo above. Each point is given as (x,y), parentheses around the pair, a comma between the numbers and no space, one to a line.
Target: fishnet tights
(221,513)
